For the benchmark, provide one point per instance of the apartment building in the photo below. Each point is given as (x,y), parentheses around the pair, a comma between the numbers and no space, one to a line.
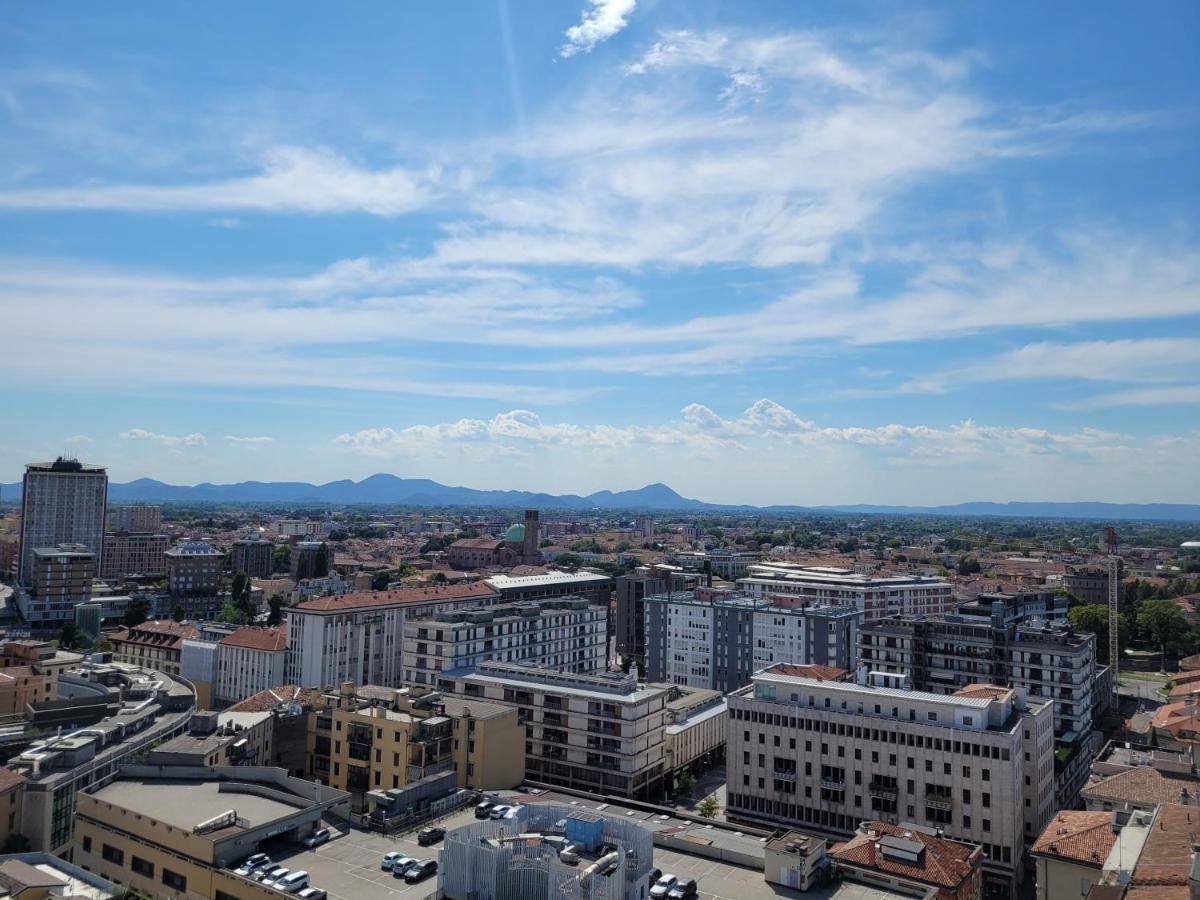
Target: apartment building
(172,831)
(62,502)
(717,639)
(155,644)
(310,559)
(139,519)
(823,755)
(1089,583)
(694,734)
(372,738)
(592,586)
(359,637)
(253,556)
(248,661)
(134,553)
(567,633)
(943,654)
(601,733)
(194,578)
(61,579)
(631,593)
(721,563)
(876,595)
(1015,608)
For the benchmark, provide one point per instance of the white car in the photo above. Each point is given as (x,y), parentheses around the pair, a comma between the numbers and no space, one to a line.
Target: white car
(498,812)
(663,886)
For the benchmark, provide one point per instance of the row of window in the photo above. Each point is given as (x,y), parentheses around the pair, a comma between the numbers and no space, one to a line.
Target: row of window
(142,867)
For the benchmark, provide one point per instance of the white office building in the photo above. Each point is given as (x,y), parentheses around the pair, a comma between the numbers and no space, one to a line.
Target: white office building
(876,595)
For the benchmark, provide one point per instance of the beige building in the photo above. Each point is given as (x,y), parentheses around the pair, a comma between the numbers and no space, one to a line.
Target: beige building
(62,579)
(696,724)
(371,738)
(139,518)
(219,739)
(172,831)
(600,732)
(1081,848)
(825,755)
(134,553)
(155,645)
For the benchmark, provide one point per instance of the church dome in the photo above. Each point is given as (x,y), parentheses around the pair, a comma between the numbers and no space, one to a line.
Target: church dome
(515,534)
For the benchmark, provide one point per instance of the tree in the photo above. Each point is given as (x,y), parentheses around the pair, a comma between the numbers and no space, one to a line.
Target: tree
(275,617)
(1163,622)
(684,783)
(232,614)
(240,596)
(282,560)
(381,581)
(70,636)
(1093,618)
(968,566)
(439,577)
(707,807)
(137,612)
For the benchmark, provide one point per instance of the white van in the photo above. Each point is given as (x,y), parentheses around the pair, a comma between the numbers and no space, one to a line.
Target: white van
(292,882)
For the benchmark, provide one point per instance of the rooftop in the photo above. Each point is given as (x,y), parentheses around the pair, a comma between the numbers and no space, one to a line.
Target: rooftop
(767,573)
(808,670)
(1165,863)
(187,803)
(1143,786)
(274,638)
(278,697)
(398,597)
(500,582)
(65,466)
(909,851)
(194,548)
(1078,835)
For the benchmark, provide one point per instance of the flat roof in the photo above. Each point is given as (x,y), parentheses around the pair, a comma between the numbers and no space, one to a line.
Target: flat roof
(849,687)
(555,577)
(643,691)
(185,804)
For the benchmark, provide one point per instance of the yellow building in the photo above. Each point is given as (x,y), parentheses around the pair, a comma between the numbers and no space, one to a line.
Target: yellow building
(172,831)
(371,738)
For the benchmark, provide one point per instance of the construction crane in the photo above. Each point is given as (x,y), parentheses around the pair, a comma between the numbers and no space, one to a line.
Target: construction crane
(1114,605)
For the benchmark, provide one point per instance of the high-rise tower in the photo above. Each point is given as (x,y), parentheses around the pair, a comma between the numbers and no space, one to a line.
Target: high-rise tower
(62,502)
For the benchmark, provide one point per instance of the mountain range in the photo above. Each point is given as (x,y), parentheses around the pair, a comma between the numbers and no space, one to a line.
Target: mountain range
(393,490)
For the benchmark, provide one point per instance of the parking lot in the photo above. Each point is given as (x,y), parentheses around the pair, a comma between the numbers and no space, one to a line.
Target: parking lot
(348,866)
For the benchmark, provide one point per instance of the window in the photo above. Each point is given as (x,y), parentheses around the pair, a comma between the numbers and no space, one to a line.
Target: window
(87,844)
(113,855)
(141,866)
(174,880)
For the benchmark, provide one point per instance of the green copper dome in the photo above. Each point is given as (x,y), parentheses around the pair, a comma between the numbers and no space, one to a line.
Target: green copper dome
(515,534)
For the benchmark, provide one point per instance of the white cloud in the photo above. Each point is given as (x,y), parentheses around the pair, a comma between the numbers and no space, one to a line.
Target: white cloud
(601,20)
(248,442)
(1180,395)
(293,179)
(78,439)
(195,439)
(771,454)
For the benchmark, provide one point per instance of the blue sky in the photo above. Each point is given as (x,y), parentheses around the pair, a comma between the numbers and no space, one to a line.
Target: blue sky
(764,252)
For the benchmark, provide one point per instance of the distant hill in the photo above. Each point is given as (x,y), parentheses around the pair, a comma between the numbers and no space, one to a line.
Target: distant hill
(391,489)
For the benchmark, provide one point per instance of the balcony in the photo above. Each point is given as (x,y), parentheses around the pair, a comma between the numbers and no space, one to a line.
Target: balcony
(887,791)
(939,801)
(829,784)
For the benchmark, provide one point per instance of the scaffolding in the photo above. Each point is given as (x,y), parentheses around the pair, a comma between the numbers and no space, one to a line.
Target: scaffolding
(519,858)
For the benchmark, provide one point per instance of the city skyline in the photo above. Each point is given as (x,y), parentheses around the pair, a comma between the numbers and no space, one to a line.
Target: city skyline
(762,254)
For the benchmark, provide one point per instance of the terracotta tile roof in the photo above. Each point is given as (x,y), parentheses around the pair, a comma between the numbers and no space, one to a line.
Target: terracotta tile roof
(10,779)
(944,863)
(157,633)
(273,698)
(1142,786)
(398,597)
(1084,837)
(1183,690)
(251,638)
(1180,719)
(1190,663)
(1185,678)
(809,670)
(477,544)
(1166,859)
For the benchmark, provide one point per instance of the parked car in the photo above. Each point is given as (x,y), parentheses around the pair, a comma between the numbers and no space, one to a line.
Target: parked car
(269,874)
(498,811)
(292,882)
(428,836)
(402,865)
(484,809)
(511,812)
(313,893)
(421,870)
(272,879)
(683,890)
(661,887)
(252,864)
(388,860)
(317,838)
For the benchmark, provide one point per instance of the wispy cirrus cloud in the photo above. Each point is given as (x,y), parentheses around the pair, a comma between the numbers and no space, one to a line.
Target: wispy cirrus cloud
(248,442)
(601,20)
(195,439)
(1176,395)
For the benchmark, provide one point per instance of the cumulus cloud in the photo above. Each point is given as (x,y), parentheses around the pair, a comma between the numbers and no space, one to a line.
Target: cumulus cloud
(601,20)
(195,439)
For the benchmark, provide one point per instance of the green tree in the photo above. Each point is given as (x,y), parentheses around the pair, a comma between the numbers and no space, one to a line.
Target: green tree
(968,566)
(685,783)
(69,637)
(1093,618)
(1163,623)
(439,577)
(137,612)
(275,617)
(240,595)
(231,614)
(707,807)
(380,581)
(282,560)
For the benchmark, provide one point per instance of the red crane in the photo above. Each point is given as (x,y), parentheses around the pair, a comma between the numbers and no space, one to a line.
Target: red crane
(1110,541)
